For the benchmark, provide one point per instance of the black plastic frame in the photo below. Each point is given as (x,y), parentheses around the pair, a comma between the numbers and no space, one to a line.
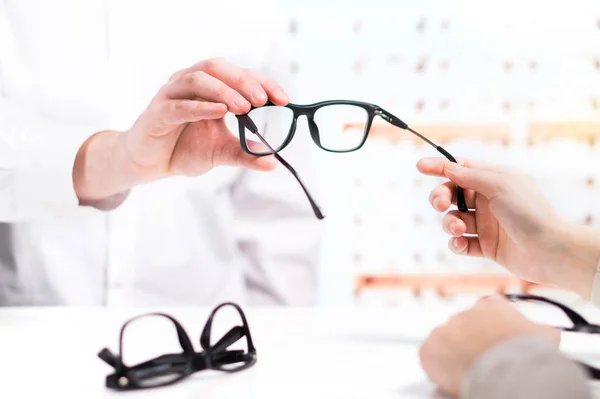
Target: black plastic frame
(186,363)
(309,110)
(580,324)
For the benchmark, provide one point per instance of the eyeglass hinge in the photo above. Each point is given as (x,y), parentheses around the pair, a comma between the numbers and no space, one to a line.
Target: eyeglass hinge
(383,115)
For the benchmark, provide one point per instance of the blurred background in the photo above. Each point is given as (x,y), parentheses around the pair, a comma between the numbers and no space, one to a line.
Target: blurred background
(515,82)
(512,82)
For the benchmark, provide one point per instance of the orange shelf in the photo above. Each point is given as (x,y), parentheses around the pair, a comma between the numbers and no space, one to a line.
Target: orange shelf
(439,133)
(443,133)
(442,284)
(543,132)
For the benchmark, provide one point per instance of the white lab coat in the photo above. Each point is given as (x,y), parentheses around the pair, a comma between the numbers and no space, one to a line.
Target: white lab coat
(70,68)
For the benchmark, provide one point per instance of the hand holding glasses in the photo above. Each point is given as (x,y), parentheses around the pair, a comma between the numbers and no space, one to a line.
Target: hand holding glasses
(173,367)
(332,141)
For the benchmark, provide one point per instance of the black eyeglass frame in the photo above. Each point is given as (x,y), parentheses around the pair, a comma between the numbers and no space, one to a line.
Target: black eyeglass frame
(309,110)
(580,324)
(186,363)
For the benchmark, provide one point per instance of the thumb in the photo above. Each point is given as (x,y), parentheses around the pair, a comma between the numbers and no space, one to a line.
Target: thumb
(228,152)
(486,182)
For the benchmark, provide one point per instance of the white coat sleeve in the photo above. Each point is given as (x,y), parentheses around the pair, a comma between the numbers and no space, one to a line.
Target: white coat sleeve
(36,155)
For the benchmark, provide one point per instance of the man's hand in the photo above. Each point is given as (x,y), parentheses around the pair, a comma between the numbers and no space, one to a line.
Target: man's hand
(182,132)
(452,349)
(512,223)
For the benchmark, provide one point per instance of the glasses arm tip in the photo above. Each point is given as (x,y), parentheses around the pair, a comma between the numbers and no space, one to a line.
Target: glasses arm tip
(252,127)
(460,192)
(394,120)
(316,209)
(108,357)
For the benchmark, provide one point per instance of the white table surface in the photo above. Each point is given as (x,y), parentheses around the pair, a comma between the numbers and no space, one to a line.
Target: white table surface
(302,353)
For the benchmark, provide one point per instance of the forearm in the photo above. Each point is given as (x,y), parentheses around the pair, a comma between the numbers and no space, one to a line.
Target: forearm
(525,367)
(581,249)
(102,173)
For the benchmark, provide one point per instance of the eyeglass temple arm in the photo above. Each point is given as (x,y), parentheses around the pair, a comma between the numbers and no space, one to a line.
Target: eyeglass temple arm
(575,317)
(394,120)
(209,360)
(252,127)
(593,372)
(232,336)
(108,357)
(170,359)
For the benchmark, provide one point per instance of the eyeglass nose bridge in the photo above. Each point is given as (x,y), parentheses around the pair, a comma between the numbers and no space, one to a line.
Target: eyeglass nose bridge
(313,128)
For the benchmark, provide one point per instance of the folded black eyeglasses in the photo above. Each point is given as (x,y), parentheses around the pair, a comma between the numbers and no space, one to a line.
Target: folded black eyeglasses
(580,324)
(173,367)
(324,113)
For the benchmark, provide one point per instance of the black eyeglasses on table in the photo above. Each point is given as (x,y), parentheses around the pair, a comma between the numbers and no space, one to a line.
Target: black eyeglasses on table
(580,324)
(331,140)
(173,367)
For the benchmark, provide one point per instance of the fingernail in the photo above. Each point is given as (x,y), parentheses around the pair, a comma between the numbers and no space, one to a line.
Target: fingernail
(456,246)
(240,103)
(452,228)
(435,203)
(279,93)
(453,167)
(260,96)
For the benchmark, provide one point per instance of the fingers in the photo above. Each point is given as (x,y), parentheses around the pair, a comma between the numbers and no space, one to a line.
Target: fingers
(435,166)
(202,86)
(184,111)
(249,83)
(481,177)
(486,180)
(488,183)
(469,246)
(459,223)
(257,147)
(274,91)
(218,81)
(256,88)
(445,195)
(236,78)
(228,152)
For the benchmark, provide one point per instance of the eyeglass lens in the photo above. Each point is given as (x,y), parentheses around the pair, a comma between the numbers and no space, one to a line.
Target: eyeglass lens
(329,119)
(157,361)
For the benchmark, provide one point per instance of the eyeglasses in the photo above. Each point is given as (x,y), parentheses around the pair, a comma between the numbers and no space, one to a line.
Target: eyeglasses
(173,367)
(580,324)
(331,114)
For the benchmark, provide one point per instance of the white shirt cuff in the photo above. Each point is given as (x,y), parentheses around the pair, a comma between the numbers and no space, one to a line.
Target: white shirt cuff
(44,171)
